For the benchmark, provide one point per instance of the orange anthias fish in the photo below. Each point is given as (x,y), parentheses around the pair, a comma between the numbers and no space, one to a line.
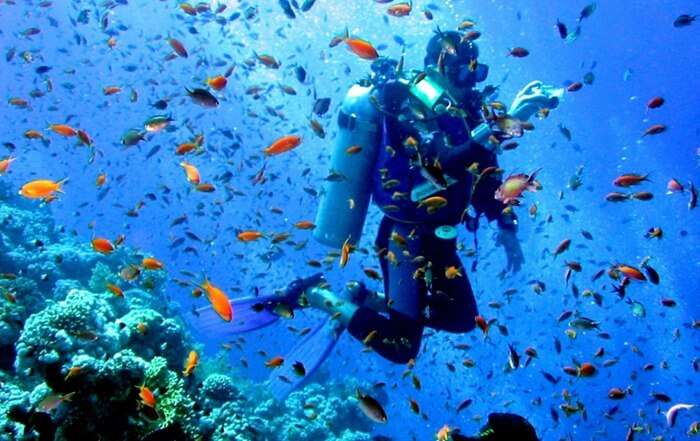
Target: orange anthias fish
(482,324)
(586,370)
(282,145)
(218,82)
(33,134)
(114,289)
(73,372)
(249,236)
(146,396)
(151,263)
(191,363)
(5,164)
(630,179)
(191,172)
(63,129)
(400,9)
(305,225)
(443,434)
(101,179)
(219,301)
(102,245)
(111,90)
(514,186)
(178,47)
(631,272)
(41,188)
(53,400)
(185,148)
(188,9)
(345,252)
(274,362)
(361,48)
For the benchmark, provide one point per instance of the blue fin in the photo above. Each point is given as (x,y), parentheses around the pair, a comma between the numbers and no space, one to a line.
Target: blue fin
(311,352)
(247,316)
(251,313)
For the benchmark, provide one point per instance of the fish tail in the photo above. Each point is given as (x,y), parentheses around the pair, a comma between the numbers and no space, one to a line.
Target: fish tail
(60,184)
(531,179)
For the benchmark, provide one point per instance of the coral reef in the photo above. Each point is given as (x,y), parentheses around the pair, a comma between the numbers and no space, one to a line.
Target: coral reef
(76,358)
(314,413)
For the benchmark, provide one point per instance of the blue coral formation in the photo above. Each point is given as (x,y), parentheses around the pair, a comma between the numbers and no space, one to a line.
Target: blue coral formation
(74,355)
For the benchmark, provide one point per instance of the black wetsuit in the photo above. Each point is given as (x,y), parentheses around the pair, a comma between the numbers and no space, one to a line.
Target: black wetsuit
(448,303)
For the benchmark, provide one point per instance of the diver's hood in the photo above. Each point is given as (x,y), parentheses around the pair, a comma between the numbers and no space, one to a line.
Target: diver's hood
(457,61)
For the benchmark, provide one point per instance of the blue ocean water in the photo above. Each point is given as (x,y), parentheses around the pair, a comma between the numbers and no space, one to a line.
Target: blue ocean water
(57,57)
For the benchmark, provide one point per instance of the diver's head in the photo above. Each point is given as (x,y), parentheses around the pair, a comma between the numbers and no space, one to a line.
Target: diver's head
(458,55)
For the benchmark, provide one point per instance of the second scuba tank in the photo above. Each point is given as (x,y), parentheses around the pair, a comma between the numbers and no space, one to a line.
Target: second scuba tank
(344,201)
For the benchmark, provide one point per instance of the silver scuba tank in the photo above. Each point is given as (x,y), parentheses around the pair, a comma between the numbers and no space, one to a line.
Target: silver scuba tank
(344,201)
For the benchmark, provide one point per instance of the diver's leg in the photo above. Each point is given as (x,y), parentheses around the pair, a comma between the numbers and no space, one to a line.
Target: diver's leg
(398,337)
(342,309)
(451,303)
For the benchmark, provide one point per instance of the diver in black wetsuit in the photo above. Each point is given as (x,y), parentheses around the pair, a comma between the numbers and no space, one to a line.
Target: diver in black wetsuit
(415,143)
(423,185)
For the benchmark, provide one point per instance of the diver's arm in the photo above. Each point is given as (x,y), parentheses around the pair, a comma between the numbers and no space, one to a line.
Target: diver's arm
(483,198)
(484,201)
(454,156)
(531,99)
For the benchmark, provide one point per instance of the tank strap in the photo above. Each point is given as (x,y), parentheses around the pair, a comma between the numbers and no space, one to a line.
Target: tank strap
(352,122)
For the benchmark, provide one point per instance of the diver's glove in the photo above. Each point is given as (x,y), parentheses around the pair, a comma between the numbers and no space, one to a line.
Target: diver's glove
(534,97)
(508,426)
(454,128)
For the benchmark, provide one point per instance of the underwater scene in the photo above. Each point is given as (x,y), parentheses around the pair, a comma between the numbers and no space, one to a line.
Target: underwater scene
(358,220)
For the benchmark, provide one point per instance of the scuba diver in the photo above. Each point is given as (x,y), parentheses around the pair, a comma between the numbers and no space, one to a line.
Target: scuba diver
(415,143)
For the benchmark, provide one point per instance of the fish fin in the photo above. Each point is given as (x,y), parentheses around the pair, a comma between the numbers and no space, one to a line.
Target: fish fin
(60,184)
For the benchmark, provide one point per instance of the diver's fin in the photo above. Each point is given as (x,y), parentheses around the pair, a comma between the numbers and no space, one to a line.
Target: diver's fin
(307,355)
(248,315)
(251,313)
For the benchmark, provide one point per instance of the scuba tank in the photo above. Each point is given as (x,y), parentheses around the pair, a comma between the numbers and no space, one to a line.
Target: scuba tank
(344,202)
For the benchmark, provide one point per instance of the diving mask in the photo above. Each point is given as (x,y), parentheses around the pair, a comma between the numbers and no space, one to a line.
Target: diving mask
(462,76)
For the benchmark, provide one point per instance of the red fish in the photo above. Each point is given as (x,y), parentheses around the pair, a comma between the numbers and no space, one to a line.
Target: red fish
(514,186)
(482,324)
(361,48)
(518,52)
(631,272)
(630,179)
(282,145)
(655,130)
(674,186)
(563,246)
(178,47)
(575,87)
(219,301)
(655,103)
(400,9)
